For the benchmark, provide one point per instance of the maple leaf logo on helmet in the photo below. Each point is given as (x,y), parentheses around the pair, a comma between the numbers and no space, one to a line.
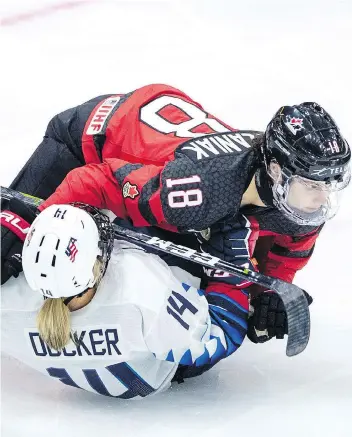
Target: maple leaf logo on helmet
(294,124)
(130,190)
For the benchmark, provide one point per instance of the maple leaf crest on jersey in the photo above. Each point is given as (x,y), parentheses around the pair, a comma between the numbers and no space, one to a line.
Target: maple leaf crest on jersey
(130,190)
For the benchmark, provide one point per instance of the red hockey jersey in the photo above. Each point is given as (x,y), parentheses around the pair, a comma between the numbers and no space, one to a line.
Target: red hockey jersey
(158,158)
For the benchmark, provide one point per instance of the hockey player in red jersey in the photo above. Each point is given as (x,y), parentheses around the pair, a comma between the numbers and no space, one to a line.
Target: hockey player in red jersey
(157,158)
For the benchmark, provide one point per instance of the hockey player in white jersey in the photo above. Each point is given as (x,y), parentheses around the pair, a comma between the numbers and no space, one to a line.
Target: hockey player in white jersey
(115,320)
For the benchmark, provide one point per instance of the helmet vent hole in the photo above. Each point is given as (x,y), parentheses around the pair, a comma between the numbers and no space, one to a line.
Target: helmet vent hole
(42,241)
(53,261)
(57,244)
(43,275)
(37,257)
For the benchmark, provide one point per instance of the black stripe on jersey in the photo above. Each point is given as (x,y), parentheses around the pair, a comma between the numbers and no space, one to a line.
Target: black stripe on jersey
(99,139)
(296,238)
(147,191)
(124,171)
(67,127)
(283,251)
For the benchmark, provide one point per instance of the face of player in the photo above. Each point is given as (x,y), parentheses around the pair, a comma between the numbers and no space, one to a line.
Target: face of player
(300,193)
(306,195)
(306,201)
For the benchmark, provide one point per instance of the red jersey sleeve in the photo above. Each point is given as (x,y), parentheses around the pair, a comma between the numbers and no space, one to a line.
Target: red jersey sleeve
(288,255)
(115,185)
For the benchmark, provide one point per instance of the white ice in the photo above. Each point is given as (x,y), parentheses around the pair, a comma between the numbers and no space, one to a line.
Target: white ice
(241,60)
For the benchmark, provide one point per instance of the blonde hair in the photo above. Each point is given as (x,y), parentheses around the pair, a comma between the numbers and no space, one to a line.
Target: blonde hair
(53,319)
(54,324)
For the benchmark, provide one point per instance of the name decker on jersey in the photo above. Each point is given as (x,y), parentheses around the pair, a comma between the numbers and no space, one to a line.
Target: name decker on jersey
(89,343)
(218,144)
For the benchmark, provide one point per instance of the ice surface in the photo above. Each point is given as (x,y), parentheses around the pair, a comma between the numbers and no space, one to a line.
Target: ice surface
(241,60)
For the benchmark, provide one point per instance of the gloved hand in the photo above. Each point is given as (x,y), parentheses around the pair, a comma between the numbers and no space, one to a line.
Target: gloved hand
(15,222)
(230,240)
(269,318)
(233,241)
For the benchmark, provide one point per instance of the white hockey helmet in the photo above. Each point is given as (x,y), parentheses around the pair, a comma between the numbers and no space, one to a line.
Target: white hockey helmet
(61,248)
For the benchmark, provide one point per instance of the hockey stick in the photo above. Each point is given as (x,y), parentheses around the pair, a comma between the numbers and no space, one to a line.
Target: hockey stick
(293,298)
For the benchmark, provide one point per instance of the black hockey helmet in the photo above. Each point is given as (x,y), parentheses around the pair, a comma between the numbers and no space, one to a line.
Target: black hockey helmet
(306,143)
(305,139)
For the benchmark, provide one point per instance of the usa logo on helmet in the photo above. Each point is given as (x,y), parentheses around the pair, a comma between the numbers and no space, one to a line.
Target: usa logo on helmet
(71,249)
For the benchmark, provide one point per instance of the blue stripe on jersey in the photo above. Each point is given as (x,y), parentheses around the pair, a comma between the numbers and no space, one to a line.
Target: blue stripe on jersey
(95,382)
(234,335)
(200,292)
(131,380)
(226,302)
(186,359)
(170,356)
(186,287)
(230,316)
(203,359)
(62,375)
(233,332)
(220,351)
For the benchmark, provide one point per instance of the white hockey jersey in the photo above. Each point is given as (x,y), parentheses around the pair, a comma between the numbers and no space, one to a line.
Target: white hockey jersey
(141,324)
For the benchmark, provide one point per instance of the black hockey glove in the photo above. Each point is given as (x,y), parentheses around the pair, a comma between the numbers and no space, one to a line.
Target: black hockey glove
(15,222)
(233,241)
(269,318)
(228,240)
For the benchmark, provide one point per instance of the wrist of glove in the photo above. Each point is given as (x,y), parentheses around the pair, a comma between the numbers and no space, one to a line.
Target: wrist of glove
(15,222)
(269,318)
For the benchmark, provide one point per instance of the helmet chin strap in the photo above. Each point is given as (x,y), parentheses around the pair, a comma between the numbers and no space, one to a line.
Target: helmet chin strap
(263,186)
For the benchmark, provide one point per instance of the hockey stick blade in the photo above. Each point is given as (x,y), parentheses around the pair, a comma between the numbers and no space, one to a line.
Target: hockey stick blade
(294,300)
